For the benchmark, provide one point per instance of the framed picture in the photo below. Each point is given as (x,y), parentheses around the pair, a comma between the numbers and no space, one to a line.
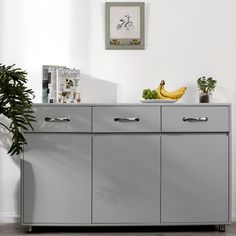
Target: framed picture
(124,25)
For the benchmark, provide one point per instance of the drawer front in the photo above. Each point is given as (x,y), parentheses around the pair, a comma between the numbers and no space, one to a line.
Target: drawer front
(62,119)
(126,119)
(195,119)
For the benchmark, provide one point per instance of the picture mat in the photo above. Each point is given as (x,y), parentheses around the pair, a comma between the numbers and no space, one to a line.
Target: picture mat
(117,13)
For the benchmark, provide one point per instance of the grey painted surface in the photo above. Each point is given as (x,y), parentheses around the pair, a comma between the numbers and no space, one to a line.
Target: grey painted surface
(112,207)
(57,179)
(230,164)
(172,119)
(80,119)
(137,104)
(149,119)
(126,177)
(194,178)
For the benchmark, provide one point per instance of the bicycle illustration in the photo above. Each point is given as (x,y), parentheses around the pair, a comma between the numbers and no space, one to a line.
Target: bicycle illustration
(126,24)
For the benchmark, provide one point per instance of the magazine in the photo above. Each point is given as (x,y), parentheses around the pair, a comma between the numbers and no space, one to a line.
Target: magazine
(46,82)
(68,86)
(60,85)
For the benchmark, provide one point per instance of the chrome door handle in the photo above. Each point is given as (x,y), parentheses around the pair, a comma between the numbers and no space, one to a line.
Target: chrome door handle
(193,119)
(126,119)
(57,119)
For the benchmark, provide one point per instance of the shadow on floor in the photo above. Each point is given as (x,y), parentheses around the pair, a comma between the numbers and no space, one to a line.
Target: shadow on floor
(125,229)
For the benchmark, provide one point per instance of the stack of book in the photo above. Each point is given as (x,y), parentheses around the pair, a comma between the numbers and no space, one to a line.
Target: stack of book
(60,84)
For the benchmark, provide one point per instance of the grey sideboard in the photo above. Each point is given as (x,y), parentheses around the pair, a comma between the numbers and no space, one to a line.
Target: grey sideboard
(128,164)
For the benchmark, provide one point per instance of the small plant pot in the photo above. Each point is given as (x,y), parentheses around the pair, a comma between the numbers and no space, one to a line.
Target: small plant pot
(205,97)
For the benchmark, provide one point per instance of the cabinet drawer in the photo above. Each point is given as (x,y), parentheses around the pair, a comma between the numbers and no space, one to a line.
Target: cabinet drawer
(195,119)
(62,119)
(126,119)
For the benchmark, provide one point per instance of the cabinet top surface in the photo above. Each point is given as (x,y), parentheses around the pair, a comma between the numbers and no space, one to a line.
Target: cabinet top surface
(130,104)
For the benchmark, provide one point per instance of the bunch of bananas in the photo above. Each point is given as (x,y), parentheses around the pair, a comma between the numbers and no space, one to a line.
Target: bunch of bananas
(162,93)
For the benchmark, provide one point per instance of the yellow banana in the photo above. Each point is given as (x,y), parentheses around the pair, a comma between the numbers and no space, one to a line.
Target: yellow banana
(159,95)
(177,94)
(180,96)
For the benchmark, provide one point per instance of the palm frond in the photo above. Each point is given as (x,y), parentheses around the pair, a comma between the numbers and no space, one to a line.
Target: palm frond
(16,104)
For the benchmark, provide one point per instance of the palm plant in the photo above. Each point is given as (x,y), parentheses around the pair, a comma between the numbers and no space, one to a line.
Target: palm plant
(16,104)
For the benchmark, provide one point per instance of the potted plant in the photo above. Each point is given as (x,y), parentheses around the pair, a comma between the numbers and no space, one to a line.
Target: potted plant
(206,86)
(15,104)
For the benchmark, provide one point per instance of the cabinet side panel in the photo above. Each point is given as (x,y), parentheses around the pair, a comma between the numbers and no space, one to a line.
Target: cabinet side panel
(57,179)
(194,180)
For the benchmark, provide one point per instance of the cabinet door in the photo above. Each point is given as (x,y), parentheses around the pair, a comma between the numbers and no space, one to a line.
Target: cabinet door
(57,179)
(194,178)
(126,178)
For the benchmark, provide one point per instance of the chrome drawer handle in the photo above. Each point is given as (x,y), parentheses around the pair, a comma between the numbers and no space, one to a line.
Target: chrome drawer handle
(195,119)
(126,119)
(58,119)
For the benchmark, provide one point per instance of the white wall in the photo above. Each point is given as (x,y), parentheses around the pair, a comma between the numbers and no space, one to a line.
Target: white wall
(184,40)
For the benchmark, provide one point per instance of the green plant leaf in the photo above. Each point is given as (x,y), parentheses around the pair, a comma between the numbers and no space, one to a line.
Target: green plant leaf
(206,85)
(16,104)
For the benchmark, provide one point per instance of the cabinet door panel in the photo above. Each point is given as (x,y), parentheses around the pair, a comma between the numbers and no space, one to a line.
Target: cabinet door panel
(194,178)
(57,179)
(126,178)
